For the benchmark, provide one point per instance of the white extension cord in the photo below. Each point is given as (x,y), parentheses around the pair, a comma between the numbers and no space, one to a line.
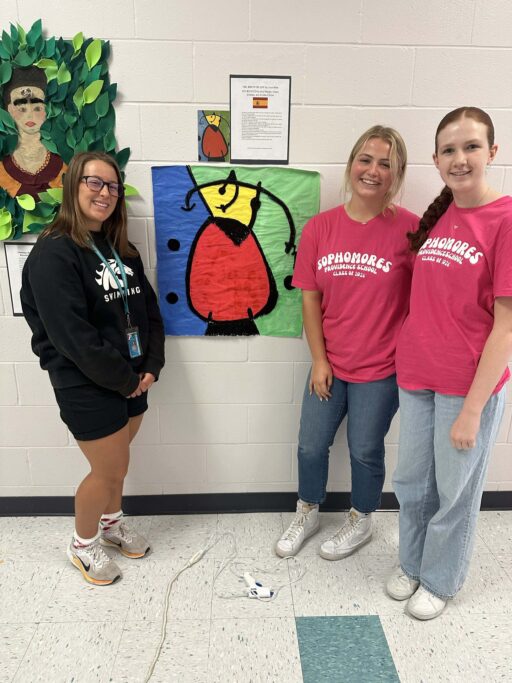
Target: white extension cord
(253,589)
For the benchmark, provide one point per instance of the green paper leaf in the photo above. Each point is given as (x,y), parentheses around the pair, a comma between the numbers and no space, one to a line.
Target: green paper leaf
(83,72)
(7,120)
(61,93)
(14,33)
(89,115)
(51,73)
(22,35)
(33,223)
(88,137)
(50,69)
(102,104)
(112,92)
(93,53)
(35,33)
(97,145)
(78,130)
(5,216)
(81,146)
(6,230)
(26,201)
(46,198)
(92,91)
(5,72)
(50,146)
(130,191)
(70,139)
(3,52)
(53,109)
(42,210)
(122,157)
(46,63)
(24,58)
(69,118)
(93,75)
(78,98)
(78,41)
(109,141)
(63,75)
(7,43)
(49,47)
(56,193)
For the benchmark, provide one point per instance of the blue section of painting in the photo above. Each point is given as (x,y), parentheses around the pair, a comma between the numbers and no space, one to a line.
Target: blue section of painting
(201,126)
(174,237)
(350,649)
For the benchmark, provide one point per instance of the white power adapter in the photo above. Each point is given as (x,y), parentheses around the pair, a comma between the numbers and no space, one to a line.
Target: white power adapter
(255,589)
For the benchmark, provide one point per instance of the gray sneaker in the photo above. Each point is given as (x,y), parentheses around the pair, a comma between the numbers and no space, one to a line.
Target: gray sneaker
(399,586)
(128,542)
(304,524)
(94,563)
(356,531)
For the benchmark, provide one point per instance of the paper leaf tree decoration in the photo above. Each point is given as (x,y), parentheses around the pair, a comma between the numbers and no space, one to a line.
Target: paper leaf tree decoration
(78,100)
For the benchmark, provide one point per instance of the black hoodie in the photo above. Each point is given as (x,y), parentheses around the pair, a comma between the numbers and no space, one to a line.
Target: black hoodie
(76,314)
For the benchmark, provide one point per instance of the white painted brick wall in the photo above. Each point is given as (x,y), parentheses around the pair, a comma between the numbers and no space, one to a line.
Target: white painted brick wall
(225,413)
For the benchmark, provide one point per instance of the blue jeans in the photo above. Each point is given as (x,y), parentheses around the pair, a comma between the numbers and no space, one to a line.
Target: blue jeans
(369,407)
(439,488)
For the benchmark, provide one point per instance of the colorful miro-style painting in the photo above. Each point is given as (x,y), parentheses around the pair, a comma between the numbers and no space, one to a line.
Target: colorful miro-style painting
(213,135)
(226,244)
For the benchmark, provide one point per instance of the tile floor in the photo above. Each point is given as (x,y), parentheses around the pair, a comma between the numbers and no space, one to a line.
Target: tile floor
(56,628)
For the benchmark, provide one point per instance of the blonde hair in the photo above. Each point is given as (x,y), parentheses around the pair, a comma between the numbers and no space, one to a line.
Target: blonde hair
(70,219)
(397,159)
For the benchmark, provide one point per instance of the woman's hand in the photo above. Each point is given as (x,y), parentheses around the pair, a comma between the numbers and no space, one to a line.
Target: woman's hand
(146,380)
(320,381)
(137,392)
(464,430)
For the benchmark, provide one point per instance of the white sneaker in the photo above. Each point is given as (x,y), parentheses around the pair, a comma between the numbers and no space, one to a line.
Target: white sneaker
(423,605)
(304,524)
(399,586)
(356,531)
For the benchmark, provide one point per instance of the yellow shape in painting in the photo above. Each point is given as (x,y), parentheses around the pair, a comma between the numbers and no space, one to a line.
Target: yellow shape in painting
(213,119)
(237,207)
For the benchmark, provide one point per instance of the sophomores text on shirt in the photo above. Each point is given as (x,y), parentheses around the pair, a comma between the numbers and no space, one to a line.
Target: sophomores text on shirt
(465,263)
(363,271)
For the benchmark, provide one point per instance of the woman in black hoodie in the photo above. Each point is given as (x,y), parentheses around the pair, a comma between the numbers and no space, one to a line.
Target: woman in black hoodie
(98,332)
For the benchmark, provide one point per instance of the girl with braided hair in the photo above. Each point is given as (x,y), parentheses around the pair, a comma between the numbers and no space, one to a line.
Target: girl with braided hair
(451,363)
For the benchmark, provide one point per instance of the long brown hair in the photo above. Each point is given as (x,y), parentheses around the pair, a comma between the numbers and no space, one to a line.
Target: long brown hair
(441,203)
(70,219)
(397,158)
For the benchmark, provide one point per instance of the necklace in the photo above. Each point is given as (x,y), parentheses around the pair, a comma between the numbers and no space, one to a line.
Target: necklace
(45,163)
(349,213)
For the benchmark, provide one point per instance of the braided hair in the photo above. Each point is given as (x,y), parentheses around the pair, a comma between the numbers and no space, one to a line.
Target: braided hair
(441,203)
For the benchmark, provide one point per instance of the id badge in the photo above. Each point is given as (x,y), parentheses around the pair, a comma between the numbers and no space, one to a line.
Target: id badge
(132,336)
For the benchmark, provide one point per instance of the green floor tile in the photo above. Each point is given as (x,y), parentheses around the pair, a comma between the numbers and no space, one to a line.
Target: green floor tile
(344,650)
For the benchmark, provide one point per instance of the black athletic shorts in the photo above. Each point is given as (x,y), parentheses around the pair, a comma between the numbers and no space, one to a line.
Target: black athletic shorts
(91,412)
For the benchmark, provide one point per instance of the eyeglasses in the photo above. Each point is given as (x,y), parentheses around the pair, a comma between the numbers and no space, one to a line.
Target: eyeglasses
(97,184)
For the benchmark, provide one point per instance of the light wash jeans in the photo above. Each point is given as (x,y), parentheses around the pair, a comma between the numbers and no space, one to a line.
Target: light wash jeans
(370,407)
(439,488)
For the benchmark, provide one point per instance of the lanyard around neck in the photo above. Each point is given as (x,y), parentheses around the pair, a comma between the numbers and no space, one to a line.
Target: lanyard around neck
(122,286)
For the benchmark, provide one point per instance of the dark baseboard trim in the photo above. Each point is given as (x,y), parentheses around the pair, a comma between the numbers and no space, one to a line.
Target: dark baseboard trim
(201,503)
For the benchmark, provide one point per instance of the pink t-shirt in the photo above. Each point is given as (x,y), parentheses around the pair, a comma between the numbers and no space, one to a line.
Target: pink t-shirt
(465,263)
(363,271)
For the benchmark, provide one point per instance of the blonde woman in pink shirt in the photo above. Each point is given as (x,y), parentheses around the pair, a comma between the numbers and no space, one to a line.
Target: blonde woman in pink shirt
(354,268)
(451,361)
